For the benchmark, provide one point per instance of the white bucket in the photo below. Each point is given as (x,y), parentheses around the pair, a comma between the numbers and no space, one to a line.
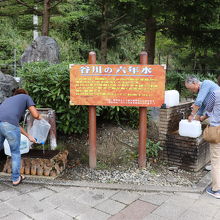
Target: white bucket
(190,129)
(172,98)
(24,146)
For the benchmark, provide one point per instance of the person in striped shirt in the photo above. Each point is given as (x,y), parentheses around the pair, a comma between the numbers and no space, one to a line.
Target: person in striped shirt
(213,113)
(204,89)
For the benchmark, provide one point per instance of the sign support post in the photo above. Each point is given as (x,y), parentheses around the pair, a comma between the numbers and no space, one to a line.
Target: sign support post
(140,85)
(92,123)
(142,124)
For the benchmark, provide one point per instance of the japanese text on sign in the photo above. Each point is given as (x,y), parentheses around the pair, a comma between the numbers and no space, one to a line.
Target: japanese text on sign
(109,71)
(119,85)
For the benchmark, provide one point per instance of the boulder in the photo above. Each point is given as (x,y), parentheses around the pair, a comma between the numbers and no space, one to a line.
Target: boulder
(43,48)
(7,85)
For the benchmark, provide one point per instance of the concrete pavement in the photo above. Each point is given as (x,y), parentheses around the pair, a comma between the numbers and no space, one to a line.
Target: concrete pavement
(53,199)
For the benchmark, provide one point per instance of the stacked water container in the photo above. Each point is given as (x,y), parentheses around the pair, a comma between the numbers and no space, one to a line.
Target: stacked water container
(172,98)
(191,129)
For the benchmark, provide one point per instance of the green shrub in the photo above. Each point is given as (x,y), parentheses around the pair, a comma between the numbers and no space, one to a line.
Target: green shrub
(153,149)
(119,115)
(48,85)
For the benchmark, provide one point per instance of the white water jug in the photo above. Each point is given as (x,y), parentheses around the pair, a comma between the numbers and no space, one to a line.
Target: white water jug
(24,146)
(190,129)
(40,130)
(172,98)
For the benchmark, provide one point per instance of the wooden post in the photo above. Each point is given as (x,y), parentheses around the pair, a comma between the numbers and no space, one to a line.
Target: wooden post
(142,124)
(92,123)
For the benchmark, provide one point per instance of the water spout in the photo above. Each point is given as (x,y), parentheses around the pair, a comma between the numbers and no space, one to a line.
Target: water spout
(25,118)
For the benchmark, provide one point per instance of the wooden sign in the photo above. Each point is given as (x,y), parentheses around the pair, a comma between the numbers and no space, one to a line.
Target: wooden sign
(117,85)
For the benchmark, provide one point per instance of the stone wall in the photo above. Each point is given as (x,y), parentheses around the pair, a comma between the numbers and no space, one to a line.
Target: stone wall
(7,85)
(187,153)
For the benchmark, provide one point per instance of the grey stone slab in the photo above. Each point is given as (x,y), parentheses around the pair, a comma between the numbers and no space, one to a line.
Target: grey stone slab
(74,208)
(93,214)
(95,196)
(155,217)
(135,211)
(217,215)
(155,198)
(8,194)
(24,188)
(205,208)
(110,206)
(181,201)
(17,216)
(193,196)
(6,209)
(57,188)
(29,205)
(74,192)
(191,215)
(59,199)
(3,187)
(126,197)
(41,193)
(210,199)
(52,215)
(169,211)
(66,196)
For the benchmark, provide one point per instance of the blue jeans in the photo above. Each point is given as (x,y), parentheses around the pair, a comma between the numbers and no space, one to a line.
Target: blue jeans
(13,135)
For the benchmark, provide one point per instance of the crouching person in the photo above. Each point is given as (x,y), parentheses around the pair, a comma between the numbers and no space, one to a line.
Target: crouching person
(11,111)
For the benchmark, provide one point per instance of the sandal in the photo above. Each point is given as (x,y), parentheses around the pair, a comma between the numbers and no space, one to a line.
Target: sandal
(21,179)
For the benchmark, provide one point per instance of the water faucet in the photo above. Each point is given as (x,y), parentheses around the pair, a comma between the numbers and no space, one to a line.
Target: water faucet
(25,117)
(182,112)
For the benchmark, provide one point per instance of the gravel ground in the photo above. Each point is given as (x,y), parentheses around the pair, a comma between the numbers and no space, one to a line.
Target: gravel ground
(155,174)
(118,146)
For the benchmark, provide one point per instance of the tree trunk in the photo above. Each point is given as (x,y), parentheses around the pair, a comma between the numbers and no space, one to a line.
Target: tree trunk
(104,45)
(46,18)
(195,63)
(150,38)
(167,62)
(104,36)
(204,61)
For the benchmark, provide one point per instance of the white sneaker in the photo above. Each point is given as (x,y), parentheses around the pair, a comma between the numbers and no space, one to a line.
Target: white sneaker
(208,167)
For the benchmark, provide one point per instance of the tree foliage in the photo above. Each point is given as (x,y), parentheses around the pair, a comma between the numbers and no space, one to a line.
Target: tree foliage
(183,34)
(43,8)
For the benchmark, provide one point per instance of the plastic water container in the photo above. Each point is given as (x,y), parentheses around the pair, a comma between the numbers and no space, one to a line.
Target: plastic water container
(40,130)
(172,98)
(190,129)
(24,146)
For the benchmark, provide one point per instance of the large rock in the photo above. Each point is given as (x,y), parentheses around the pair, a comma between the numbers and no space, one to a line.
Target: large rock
(42,49)
(7,85)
